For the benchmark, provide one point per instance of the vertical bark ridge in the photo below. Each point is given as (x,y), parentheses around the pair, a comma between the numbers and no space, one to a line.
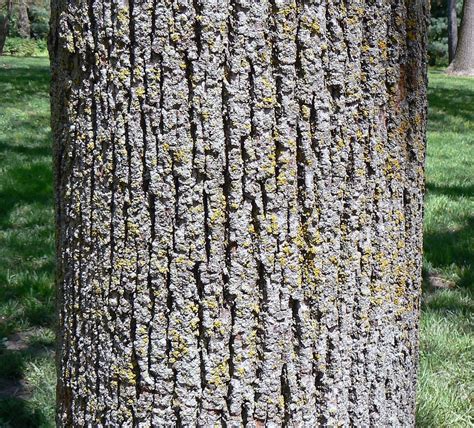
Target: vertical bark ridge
(239,200)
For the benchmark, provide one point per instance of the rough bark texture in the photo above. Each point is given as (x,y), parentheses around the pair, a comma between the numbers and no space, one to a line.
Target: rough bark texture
(5,23)
(239,205)
(452,29)
(463,62)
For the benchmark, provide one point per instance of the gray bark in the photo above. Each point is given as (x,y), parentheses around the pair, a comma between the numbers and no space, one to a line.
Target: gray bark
(239,192)
(24,27)
(463,63)
(452,29)
(5,23)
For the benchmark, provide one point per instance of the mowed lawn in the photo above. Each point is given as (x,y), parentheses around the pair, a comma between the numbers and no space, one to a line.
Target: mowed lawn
(446,384)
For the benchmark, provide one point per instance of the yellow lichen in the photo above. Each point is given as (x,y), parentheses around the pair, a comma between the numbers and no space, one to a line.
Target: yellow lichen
(218,373)
(180,156)
(140,91)
(312,25)
(272,228)
(216,215)
(133,228)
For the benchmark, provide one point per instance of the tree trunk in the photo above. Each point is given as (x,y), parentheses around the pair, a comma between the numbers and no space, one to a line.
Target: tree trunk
(4,24)
(239,195)
(24,27)
(463,63)
(452,29)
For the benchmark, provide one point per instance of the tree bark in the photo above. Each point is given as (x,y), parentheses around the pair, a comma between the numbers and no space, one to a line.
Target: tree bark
(452,29)
(463,63)
(24,26)
(4,24)
(239,190)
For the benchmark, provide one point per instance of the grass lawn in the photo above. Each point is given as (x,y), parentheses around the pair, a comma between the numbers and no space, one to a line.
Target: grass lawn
(26,245)
(446,386)
(446,376)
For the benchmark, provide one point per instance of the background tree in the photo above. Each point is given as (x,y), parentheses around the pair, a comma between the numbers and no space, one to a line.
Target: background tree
(452,29)
(439,38)
(39,13)
(5,23)
(28,25)
(239,194)
(463,62)
(23,24)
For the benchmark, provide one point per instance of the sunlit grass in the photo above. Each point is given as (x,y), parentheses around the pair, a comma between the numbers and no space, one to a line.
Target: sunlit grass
(26,245)
(446,380)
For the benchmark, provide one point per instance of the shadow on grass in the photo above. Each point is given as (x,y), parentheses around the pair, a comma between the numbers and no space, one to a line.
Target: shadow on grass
(451,111)
(444,249)
(29,137)
(451,108)
(32,152)
(15,409)
(31,184)
(26,239)
(453,191)
(16,412)
(20,83)
(27,269)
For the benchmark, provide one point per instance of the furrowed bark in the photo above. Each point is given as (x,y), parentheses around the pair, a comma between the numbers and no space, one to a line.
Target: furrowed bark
(239,191)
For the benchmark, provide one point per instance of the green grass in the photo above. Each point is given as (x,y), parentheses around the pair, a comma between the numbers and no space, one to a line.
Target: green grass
(26,249)
(18,46)
(446,377)
(26,244)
